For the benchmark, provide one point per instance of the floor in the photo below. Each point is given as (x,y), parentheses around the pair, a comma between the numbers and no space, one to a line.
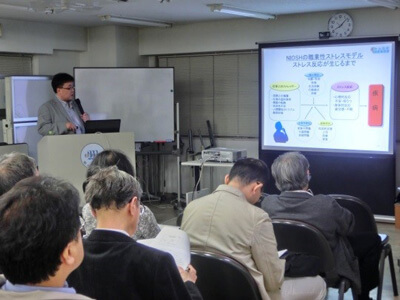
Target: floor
(166,214)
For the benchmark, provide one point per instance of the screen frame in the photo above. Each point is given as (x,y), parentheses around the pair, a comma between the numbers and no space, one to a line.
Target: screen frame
(393,98)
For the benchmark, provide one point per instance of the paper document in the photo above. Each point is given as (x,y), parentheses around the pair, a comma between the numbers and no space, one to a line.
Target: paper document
(282,253)
(175,242)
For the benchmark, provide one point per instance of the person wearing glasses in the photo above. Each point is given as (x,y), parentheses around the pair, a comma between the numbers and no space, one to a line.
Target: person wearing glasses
(116,266)
(62,115)
(40,239)
(228,222)
(147,227)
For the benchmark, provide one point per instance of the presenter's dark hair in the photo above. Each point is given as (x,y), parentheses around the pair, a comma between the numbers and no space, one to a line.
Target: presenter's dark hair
(59,80)
(14,167)
(38,218)
(249,170)
(290,171)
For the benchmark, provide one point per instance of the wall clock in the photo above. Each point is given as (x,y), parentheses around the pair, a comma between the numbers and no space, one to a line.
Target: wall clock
(340,25)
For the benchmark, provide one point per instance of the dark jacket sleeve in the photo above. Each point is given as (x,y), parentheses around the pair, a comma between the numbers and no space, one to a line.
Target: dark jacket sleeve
(193,291)
(170,284)
(344,219)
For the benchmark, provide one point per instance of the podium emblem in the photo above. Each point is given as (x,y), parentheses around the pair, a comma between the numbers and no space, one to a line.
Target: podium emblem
(89,152)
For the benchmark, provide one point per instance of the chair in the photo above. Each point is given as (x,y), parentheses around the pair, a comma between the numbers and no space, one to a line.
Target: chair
(365,222)
(179,219)
(223,278)
(301,237)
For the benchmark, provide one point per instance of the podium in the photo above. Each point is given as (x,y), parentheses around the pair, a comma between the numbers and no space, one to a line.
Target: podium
(68,156)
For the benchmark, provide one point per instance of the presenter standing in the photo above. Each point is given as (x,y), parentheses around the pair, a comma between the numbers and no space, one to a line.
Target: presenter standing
(62,115)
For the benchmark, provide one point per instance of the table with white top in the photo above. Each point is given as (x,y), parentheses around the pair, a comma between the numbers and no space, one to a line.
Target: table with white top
(198,164)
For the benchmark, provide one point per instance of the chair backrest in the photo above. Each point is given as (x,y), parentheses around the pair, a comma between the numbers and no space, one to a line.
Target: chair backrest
(364,218)
(179,219)
(300,237)
(223,278)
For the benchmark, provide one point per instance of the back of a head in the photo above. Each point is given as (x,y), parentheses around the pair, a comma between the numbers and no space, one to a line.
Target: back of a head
(14,167)
(38,218)
(249,170)
(111,188)
(59,79)
(109,158)
(290,171)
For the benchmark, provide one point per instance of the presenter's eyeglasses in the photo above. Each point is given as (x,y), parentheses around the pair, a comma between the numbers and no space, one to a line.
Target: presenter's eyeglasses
(68,88)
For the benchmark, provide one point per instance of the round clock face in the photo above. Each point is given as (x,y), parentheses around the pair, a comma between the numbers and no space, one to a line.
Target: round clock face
(340,25)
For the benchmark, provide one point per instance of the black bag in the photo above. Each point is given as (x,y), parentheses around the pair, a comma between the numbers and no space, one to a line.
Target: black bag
(302,264)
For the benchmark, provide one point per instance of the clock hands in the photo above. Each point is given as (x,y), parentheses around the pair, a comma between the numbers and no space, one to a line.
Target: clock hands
(341,24)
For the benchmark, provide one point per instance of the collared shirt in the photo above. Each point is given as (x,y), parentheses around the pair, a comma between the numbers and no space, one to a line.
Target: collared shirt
(146,229)
(304,191)
(8,286)
(73,116)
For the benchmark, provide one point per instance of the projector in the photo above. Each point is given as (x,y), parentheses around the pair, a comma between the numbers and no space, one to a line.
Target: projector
(223,154)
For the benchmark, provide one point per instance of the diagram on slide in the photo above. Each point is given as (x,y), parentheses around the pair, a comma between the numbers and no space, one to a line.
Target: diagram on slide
(341,103)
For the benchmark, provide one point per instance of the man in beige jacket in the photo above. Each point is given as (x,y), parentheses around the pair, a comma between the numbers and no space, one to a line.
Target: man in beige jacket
(227,222)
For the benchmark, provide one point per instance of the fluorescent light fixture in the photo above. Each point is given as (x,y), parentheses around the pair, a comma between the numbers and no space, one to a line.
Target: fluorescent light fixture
(130,21)
(392,4)
(239,12)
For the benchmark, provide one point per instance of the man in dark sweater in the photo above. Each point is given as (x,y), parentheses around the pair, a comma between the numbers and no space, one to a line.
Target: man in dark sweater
(115,266)
(355,253)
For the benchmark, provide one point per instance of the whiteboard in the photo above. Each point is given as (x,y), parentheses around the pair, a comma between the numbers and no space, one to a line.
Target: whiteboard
(143,98)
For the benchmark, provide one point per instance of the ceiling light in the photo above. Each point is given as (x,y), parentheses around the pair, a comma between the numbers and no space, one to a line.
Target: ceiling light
(133,21)
(58,6)
(239,12)
(393,4)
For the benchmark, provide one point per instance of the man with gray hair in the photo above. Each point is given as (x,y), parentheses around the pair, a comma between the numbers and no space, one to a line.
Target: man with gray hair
(296,202)
(115,265)
(228,222)
(14,167)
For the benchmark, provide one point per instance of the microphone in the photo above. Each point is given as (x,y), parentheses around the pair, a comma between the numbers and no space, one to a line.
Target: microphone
(78,102)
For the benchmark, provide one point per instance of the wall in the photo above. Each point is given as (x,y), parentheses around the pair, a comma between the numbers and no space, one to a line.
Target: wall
(127,49)
(40,38)
(243,34)
(111,46)
(59,61)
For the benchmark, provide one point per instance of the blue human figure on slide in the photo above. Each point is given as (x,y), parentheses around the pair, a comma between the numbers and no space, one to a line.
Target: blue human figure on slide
(280,135)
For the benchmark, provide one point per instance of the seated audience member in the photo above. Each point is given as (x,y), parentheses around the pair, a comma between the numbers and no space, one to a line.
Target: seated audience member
(115,265)
(148,227)
(228,222)
(14,167)
(40,240)
(296,202)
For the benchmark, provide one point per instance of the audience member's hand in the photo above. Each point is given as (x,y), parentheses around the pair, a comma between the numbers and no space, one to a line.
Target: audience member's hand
(70,126)
(85,117)
(189,275)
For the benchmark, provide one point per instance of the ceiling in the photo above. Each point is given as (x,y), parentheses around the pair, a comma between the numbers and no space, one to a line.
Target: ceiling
(169,11)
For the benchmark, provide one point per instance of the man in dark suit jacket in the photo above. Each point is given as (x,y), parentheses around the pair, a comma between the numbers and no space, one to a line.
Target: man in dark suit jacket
(115,266)
(356,255)
(61,115)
